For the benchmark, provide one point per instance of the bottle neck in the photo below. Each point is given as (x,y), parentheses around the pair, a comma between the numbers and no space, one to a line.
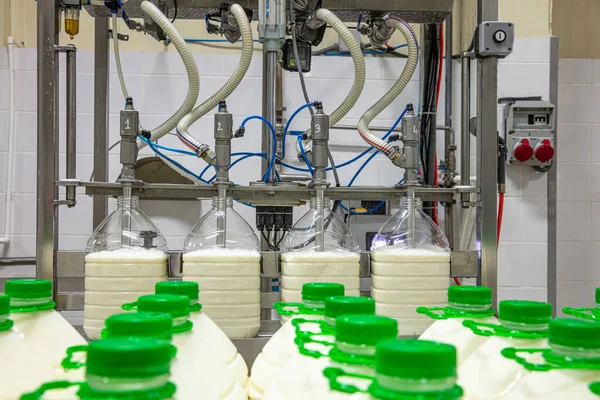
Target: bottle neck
(575,353)
(31,304)
(355,349)
(316,203)
(474,308)
(415,386)
(104,384)
(128,202)
(319,305)
(524,327)
(221,203)
(411,204)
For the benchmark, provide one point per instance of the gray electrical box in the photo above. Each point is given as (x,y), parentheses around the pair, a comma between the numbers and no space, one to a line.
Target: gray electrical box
(529,132)
(495,39)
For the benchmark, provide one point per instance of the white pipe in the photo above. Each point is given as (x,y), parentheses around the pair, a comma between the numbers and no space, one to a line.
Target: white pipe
(190,66)
(359,68)
(396,89)
(5,239)
(115,30)
(233,82)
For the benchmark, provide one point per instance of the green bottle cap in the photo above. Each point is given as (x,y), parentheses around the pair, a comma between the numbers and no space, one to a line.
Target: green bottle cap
(470,295)
(365,329)
(576,333)
(132,357)
(415,359)
(319,291)
(4,304)
(28,288)
(348,305)
(140,324)
(176,305)
(525,312)
(183,288)
(598,295)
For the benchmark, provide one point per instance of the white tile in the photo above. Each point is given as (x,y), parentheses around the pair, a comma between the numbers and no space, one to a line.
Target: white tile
(131,62)
(534,272)
(595,108)
(163,95)
(596,71)
(23,214)
(574,260)
(535,294)
(509,264)
(4,101)
(238,101)
(327,68)
(77,220)
(373,68)
(135,87)
(26,126)
(574,294)
(26,87)
(512,220)
(231,61)
(212,64)
(596,221)
(392,68)
(24,180)
(172,218)
(164,63)
(573,221)
(19,246)
(574,182)
(514,180)
(574,70)
(410,94)
(4,125)
(509,293)
(535,220)
(595,179)
(595,149)
(535,184)
(515,79)
(530,50)
(25,59)
(574,103)
(575,143)
(3,58)
(595,267)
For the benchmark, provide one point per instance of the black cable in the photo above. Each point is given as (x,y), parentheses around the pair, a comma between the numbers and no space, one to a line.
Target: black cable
(174,16)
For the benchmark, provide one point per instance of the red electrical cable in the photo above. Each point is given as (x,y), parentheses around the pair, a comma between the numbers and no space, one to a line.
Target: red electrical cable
(500,214)
(457,281)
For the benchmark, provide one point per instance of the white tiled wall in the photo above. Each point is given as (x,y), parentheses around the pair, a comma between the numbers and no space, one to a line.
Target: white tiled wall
(578,250)
(157,82)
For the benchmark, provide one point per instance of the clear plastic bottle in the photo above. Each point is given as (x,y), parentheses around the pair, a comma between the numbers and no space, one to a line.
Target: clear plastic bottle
(568,367)
(206,329)
(125,257)
(222,254)
(464,302)
(132,368)
(486,374)
(589,313)
(410,264)
(306,258)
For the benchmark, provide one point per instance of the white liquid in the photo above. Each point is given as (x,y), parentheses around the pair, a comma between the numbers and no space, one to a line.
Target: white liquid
(403,280)
(116,277)
(229,282)
(451,331)
(298,268)
(555,385)
(488,375)
(275,354)
(223,348)
(32,352)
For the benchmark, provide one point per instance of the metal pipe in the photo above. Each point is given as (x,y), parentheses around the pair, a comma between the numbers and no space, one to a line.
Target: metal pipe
(450,145)
(47,138)
(295,178)
(465,119)
(71,126)
(353,127)
(320,220)
(17,261)
(101,85)
(271,106)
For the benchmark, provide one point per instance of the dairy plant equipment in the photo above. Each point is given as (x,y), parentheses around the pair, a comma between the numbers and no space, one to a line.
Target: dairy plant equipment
(305,21)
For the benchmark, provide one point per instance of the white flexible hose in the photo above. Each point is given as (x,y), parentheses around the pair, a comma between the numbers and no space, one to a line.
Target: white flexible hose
(115,35)
(5,239)
(396,89)
(233,82)
(190,66)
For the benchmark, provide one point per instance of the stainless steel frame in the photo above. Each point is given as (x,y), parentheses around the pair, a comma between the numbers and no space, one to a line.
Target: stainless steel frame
(552,178)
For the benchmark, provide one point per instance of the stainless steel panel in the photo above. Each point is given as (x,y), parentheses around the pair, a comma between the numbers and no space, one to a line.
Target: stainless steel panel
(69,301)
(69,264)
(175,265)
(250,348)
(464,264)
(47,137)
(552,239)
(71,126)
(70,285)
(365,264)
(267,299)
(270,264)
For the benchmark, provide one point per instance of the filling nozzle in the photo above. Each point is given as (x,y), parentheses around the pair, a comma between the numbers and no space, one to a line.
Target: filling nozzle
(126,222)
(320,220)
(409,159)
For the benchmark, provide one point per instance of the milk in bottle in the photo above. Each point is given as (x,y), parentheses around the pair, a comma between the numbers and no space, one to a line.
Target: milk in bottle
(221,253)
(125,257)
(486,374)
(133,368)
(410,264)
(281,347)
(14,380)
(319,248)
(566,369)
(354,351)
(206,329)
(464,302)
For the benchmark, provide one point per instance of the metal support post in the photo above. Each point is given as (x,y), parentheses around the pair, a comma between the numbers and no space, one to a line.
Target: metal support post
(271,106)
(101,86)
(487,148)
(71,109)
(47,139)
(465,119)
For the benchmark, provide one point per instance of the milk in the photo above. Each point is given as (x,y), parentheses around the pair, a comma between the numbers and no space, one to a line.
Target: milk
(229,282)
(555,385)
(298,268)
(113,278)
(404,279)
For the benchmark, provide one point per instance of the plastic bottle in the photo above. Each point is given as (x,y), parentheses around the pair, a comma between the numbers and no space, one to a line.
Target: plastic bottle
(221,253)
(410,264)
(464,302)
(354,352)
(192,375)
(305,259)
(38,339)
(404,370)
(125,257)
(280,348)
(566,369)
(588,313)
(207,330)
(13,347)
(118,369)
(486,374)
